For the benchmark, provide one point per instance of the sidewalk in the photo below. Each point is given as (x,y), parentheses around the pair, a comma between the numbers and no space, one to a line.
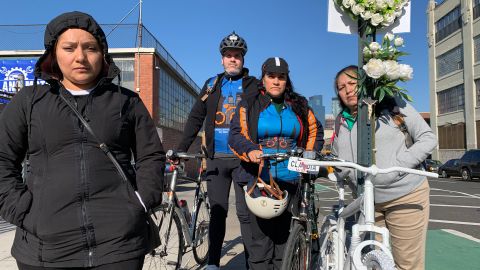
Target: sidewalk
(7,262)
(232,252)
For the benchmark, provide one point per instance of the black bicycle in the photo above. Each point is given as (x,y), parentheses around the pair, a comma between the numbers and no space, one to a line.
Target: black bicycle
(179,227)
(303,243)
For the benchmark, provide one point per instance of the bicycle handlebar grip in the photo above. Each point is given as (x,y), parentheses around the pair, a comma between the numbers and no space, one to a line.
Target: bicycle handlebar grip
(171,154)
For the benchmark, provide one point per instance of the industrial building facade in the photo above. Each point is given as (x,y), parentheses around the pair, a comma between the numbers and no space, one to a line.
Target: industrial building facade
(454,64)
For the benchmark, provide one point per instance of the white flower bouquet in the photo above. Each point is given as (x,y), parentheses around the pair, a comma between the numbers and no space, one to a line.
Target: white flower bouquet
(382,70)
(376,13)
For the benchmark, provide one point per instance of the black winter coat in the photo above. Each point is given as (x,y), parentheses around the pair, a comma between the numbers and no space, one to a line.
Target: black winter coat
(73,208)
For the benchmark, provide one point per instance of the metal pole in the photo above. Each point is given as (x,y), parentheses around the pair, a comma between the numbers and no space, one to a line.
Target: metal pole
(140,25)
(139,36)
(364,130)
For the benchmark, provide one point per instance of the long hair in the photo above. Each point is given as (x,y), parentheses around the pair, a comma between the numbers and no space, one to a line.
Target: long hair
(335,85)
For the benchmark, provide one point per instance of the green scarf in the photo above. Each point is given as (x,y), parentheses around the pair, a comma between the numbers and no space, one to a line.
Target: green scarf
(350,119)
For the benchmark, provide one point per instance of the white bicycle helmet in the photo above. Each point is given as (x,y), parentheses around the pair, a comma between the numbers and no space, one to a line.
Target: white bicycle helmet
(266,207)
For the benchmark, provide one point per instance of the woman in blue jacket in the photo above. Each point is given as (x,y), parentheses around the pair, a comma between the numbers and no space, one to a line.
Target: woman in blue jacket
(276,119)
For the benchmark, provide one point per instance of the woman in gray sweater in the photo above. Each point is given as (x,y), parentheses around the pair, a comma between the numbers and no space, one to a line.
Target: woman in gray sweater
(401,200)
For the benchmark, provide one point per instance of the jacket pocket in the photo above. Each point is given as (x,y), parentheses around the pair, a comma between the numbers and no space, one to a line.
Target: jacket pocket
(22,208)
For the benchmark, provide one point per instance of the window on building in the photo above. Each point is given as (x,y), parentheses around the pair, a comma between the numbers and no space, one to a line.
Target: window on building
(476,9)
(452,136)
(450,61)
(476,47)
(478,132)
(451,100)
(127,67)
(175,101)
(448,24)
(477,87)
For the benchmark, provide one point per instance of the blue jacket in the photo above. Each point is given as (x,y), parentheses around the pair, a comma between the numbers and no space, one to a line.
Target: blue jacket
(243,135)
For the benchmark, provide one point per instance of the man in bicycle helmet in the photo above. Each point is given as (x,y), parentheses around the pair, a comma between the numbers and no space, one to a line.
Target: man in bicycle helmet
(215,108)
(275,119)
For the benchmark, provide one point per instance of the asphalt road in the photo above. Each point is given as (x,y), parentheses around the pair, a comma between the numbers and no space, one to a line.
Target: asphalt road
(453,238)
(455,205)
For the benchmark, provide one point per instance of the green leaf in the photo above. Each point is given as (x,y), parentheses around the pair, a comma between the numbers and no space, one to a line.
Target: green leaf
(389,91)
(382,95)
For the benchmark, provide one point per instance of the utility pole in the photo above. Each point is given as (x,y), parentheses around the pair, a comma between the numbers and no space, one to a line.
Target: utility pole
(365,137)
(139,44)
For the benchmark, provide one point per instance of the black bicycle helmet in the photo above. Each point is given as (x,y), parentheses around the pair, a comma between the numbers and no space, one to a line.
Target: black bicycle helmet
(233,41)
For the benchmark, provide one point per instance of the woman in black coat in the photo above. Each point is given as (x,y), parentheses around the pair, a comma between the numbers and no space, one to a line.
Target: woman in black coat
(74,209)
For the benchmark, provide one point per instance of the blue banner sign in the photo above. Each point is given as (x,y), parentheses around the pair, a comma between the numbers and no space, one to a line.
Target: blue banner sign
(14,75)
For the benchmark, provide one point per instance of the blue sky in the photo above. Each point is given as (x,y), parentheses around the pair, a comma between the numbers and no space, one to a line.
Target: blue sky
(191,31)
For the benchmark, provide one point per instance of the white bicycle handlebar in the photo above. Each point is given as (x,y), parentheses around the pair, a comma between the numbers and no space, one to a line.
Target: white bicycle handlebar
(373,170)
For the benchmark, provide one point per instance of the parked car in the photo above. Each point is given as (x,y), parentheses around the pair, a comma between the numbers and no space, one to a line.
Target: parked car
(469,164)
(432,165)
(449,168)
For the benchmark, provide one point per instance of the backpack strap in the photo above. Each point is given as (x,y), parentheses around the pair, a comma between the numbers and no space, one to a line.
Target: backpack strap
(28,115)
(212,84)
(338,122)
(400,122)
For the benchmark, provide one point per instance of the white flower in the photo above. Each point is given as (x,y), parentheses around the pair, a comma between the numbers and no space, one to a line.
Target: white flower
(398,41)
(366,15)
(389,36)
(366,51)
(388,19)
(357,9)
(381,4)
(374,68)
(390,3)
(391,69)
(348,3)
(376,19)
(398,13)
(374,46)
(405,72)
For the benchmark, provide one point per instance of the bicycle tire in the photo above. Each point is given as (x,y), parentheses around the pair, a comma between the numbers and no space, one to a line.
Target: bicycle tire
(328,238)
(169,254)
(379,260)
(200,233)
(295,254)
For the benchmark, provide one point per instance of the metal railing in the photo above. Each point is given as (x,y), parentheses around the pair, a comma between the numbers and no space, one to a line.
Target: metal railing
(30,37)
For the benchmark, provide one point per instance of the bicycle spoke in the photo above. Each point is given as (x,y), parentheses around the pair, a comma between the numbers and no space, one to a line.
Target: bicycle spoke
(168,255)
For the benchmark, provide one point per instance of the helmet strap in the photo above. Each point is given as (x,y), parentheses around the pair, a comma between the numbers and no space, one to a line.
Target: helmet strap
(273,189)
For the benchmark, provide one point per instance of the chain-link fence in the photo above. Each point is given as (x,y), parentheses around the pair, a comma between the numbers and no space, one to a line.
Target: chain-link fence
(30,37)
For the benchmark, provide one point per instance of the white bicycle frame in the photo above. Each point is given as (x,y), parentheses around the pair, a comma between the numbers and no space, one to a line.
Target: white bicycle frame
(365,203)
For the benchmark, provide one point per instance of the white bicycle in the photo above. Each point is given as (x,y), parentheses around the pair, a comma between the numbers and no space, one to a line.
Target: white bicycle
(339,249)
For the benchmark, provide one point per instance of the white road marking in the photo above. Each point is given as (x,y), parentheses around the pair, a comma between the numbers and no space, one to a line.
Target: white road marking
(454,222)
(452,191)
(443,181)
(453,196)
(459,206)
(463,235)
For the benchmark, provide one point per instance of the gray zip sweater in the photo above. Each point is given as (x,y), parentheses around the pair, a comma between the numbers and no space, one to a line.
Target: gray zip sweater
(390,151)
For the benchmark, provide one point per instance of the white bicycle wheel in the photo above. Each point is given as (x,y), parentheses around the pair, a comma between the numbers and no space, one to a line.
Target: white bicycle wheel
(378,260)
(328,239)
